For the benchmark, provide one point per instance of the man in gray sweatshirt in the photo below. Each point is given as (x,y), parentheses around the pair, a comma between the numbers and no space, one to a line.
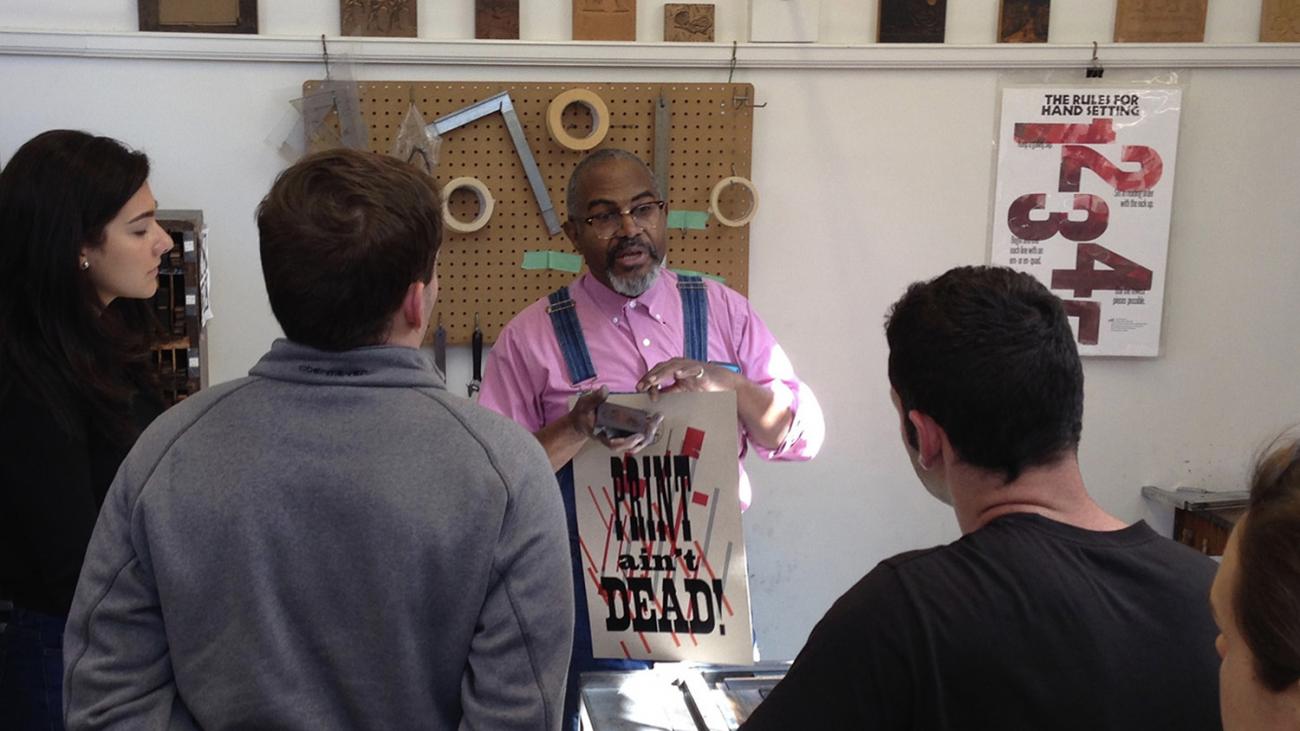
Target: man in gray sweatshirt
(333,541)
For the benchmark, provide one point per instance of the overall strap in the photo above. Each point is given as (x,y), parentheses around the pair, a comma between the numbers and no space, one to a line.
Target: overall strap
(695,316)
(564,319)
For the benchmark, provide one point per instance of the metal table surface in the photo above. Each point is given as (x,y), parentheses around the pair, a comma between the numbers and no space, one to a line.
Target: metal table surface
(676,696)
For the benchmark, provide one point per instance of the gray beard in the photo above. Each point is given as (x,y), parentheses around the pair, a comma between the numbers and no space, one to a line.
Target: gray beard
(637,286)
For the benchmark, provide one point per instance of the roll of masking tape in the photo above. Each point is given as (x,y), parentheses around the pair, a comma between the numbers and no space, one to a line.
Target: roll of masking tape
(485,204)
(599,119)
(717,192)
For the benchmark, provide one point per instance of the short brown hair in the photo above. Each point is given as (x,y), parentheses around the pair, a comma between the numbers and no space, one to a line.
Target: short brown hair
(1267,597)
(343,235)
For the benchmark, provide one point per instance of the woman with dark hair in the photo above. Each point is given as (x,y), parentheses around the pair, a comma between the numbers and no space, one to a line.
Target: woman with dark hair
(79,257)
(1256,601)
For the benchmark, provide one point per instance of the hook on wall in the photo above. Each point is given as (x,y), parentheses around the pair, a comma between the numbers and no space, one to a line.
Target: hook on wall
(325,54)
(1095,69)
(739,101)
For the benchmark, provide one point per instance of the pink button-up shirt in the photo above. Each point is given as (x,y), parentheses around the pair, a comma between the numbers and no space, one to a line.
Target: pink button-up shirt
(527,380)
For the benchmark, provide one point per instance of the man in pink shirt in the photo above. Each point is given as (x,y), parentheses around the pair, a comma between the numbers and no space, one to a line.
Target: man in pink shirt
(630,324)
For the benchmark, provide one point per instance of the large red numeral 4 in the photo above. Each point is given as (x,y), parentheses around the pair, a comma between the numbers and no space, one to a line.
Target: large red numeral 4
(1092,227)
(1122,274)
(1074,158)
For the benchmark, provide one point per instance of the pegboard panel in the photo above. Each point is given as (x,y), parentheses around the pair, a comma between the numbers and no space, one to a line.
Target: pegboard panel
(480,272)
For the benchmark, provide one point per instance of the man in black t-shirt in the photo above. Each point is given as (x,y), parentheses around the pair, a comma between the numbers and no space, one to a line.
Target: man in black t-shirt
(1048,613)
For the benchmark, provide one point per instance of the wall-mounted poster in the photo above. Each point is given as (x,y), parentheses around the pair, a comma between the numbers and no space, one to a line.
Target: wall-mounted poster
(1084,193)
(662,547)
(784,21)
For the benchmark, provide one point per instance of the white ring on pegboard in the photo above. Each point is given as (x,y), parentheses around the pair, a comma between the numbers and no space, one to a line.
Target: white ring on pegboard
(485,204)
(717,192)
(599,119)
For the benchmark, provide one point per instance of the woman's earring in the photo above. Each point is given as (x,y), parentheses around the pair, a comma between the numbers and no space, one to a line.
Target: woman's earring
(85,264)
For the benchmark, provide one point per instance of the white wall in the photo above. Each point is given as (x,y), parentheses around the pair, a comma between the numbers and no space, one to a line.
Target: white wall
(871,178)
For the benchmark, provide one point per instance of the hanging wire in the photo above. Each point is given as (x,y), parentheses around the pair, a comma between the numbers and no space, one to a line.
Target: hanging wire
(325,54)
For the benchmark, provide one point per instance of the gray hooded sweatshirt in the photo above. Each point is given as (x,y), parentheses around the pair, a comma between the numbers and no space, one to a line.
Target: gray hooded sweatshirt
(331,542)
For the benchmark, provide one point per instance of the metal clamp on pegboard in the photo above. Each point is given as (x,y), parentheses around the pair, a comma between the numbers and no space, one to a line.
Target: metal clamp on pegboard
(492,105)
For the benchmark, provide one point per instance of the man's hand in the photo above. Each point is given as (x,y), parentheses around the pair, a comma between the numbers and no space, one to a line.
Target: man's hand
(582,418)
(766,421)
(683,374)
(565,437)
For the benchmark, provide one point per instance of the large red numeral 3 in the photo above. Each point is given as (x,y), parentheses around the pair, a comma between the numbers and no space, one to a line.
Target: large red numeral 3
(1092,227)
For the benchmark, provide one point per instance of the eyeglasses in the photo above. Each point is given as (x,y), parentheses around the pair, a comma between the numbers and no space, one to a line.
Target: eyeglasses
(606,225)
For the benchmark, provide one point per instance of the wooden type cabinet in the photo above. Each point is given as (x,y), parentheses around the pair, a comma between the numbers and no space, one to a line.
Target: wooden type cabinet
(181,359)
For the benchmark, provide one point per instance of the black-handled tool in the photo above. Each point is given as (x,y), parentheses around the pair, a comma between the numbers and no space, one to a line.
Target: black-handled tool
(440,347)
(476,353)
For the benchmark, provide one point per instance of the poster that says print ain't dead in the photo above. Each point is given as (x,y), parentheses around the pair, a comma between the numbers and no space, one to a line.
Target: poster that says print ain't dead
(662,548)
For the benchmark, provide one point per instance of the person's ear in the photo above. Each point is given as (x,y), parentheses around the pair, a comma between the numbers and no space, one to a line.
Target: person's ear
(571,231)
(930,438)
(414,309)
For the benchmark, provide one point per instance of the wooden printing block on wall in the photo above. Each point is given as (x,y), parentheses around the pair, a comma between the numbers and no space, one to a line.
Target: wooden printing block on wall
(604,20)
(386,18)
(1023,21)
(1279,21)
(688,22)
(496,19)
(198,16)
(912,21)
(1160,21)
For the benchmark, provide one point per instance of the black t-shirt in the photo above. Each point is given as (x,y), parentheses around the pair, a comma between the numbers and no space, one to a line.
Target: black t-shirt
(52,484)
(1024,624)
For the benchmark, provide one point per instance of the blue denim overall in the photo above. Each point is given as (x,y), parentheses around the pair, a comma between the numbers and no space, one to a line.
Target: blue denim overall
(564,319)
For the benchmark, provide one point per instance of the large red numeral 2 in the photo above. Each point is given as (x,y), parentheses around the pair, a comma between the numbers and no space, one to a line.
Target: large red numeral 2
(1089,314)
(1074,158)
(1092,227)
(1123,273)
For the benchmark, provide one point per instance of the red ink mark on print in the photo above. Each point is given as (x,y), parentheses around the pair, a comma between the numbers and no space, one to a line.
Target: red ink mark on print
(692,442)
